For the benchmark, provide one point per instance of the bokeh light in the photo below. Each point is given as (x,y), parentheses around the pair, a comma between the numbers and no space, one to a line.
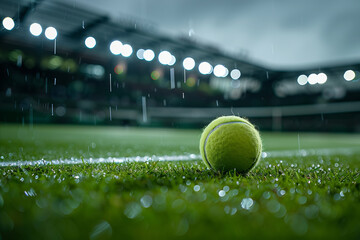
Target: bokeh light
(191,81)
(35,29)
(189,63)
(116,47)
(321,78)
(90,42)
(172,61)
(155,75)
(220,71)
(205,68)
(149,55)
(127,50)
(165,57)
(302,80)
(235,74)
(349,75)
(8,23)
(312,79)
(50,33)
(140,54)
(120,68)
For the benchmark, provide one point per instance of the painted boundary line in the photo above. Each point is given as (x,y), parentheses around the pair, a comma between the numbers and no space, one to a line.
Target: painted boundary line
(170,158)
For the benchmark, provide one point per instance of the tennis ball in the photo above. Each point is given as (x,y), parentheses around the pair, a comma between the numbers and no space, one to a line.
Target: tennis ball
(229,143)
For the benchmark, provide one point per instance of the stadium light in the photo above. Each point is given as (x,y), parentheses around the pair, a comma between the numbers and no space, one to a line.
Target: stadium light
(321,78)
(149,55)
(35,29)
(235,74)
(140,54)
(90,42)
(172,61)
(189,63)
(349,75)
(313,78)
(220,71)
(116,47)
(8,23)
(205,68)
(302,80)
(165,57)
(50,33)
(127,50)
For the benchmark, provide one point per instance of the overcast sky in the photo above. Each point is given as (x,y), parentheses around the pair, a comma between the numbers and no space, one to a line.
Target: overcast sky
(275,33)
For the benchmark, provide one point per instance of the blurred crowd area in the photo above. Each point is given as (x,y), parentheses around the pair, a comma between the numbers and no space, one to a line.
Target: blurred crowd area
(40,87)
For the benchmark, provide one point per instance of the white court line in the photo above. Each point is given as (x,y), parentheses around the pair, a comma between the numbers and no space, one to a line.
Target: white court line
(189,157)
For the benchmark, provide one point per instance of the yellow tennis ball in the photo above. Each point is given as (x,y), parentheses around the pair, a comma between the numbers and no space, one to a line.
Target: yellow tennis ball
(229,143)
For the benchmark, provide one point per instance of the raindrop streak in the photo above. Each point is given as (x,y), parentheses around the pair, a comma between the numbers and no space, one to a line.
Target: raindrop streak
(183,95)
(54,81)
(52,109)
(217,103)
(110,113)
(164,102)
(110,82)
(184,75)
(232,111)
(83,24)
(19,61)
(46,87)
(267,75)
(172,78)
(55,46)
(143,101)
(31,117)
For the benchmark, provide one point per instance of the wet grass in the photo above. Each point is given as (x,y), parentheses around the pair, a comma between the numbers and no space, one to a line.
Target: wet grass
(314,196)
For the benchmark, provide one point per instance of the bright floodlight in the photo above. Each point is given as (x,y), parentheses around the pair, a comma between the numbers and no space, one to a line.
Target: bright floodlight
(8,23)
(220,71)
(50,33)
(313,79)
(189,63)
(302,80)
(321,78)
(172,61)
(235,74)
(126,50)
(349,75)
(35,29)
(90,42)
(140,54)
(205,68)
(165,57)
(116,47)
(149,55)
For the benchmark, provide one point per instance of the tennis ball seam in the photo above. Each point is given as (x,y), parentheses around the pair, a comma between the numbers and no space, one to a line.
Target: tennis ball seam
(213,130)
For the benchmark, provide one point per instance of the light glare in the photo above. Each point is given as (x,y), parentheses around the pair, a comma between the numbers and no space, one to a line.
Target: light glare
(313,79)
(149,55)
(235,74)
(126,50)
(302,80)
(165,57)
(8,23)
(50,33)
(220,71)
(189,63)
(205,68)
(90,42)
(321,78)
(349,75)
(116,47)
(140,54)
(35,29)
